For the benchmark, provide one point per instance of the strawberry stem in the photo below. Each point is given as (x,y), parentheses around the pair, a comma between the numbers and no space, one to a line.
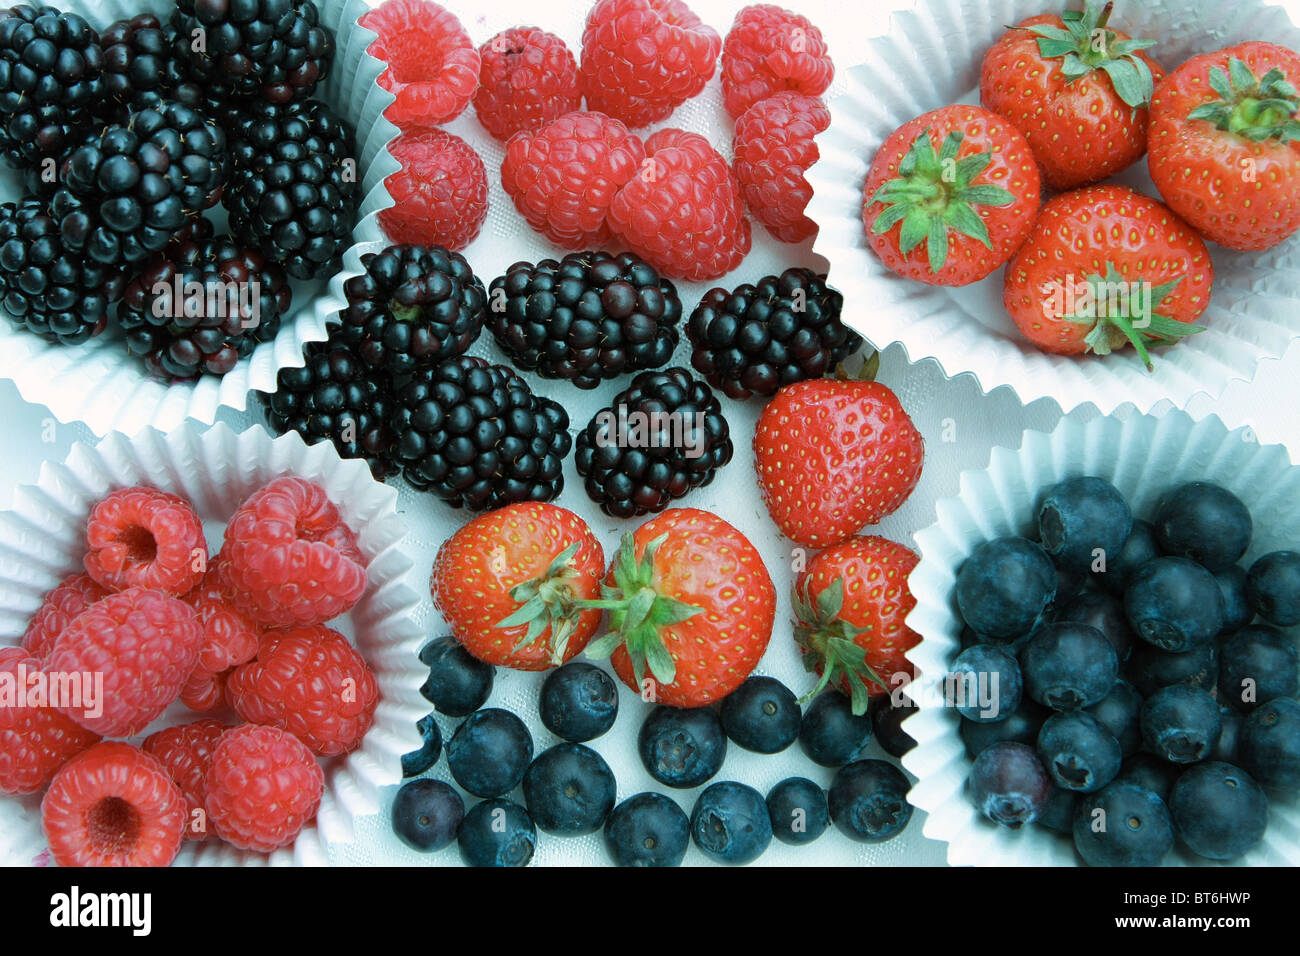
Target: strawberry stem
(1085,44)
(1256,109)
(547,602)
(830,643)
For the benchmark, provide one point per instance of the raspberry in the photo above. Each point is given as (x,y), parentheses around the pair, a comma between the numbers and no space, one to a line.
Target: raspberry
(61,606)
(563,176)
(144,644)
(683,214)
(35,741)
(263,787)
(289,558)
(229,639)
(441,191)
(185,751)
(774,148)
(311,682)
(528,78)
(432,66)
(641,59)
(113,805)
(205,692)
(769,50)
(145,538)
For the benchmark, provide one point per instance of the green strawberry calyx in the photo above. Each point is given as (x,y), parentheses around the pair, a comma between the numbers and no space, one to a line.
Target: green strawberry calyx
(830,643)
(1085,44)
(638,613)
(1256,109)
(934,194)
(546,602)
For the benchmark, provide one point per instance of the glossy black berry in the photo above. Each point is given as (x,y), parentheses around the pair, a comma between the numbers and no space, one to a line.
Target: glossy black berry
(490,752)
(647,829)
(427,814)
(798,811)
(682,748)
(762,715)
(569,789)
(578,701)
(459,683)
(142,68)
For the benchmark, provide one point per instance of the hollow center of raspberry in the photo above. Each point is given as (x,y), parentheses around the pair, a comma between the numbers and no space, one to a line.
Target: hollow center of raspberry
(413,56)
(112,826)
(140,544)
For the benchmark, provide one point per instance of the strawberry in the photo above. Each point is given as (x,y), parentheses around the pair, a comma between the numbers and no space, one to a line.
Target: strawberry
(508,584)
(850,605)
(1224,144)
(833,455)
(1077,88)
(1106,267)
(961,181)
(691,602)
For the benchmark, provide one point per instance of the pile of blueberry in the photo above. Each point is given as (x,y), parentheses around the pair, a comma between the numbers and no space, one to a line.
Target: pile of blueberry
(569,789)
(1128,683)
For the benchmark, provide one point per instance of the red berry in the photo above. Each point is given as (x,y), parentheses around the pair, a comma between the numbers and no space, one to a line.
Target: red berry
(144,643)
(641,59)
(528,78)
(113,805)
(35,741)
(311,682)
(683,213)
(773,148)
(263,787)
(61,606)
(440,193)
(288,557)
(563,176)
(144,538)
(432,66)
(770,50)
(230,638)
(185,751)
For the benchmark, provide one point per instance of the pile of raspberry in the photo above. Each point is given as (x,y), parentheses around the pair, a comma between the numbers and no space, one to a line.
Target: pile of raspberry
(239,636)
(580,176)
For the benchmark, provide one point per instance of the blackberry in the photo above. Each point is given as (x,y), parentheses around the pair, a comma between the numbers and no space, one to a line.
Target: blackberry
(202,308)
(475,435)
(414,307)
(588,318)
(59,296)
(51,79)
(661,437)
(294,191)
(333,397)
(757,338)
(128,193)
(143,68)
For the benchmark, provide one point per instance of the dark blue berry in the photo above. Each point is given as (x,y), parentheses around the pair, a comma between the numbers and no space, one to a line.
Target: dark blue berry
(1083,521)
(1237,612)
(730,823)
(490,752)
(798,811)
(1119,712)
(1106,613)
(1009,784)
(1181,723)
(984,683)
(762,715)
(1269,747)
(1020,727)
(887,723)
(682,748)
(1123,825)
(1232,723)
(459,683)
(1152,773)
(569,789)
(1273,587)
(1004,587)
(1174,604)
(1079,752)
(1205,523)
(418,761)
(427,814)
(1139,548)
(497,833)
(648,829)
(1068,666)
(579,702)
(831,735)
(1218,810)
(1256,665)
(1151,668)
(1057,814)
(868,801)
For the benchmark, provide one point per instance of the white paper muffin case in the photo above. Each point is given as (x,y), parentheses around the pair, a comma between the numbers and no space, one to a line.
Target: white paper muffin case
(930,58)
(99,383)
(1143,456)
(42,540)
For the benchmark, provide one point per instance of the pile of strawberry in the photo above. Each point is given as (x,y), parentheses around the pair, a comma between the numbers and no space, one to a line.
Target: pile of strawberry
(1068,101)
(154,620)
(583,178)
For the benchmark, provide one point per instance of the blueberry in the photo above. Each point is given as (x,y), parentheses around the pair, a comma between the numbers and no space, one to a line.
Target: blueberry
(497,833)
(1256,665)
(647,829)
(1237,612)
(418,761)
(1057,814)
(1218,810)
(984,684)
(682,748)
(1123,825)
(1106,613)
(1069,585)
(1181,723)
(1231,725)
(459,683)
(1273,587)
(1151,668)
(489,752)
(798,811)
(1205,523)
(1269,747)
(762,715)
(1082,520)
(730,823)
(427,814)
(1009,785)
(1175,604)
(569,789)
(1118,712)
(868,801)
(831,735)
(1079,752)
(1139,548)
(579,702)
(1020,727)
(1149,771)
(1004,587)
(1068,666)
(887,722)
